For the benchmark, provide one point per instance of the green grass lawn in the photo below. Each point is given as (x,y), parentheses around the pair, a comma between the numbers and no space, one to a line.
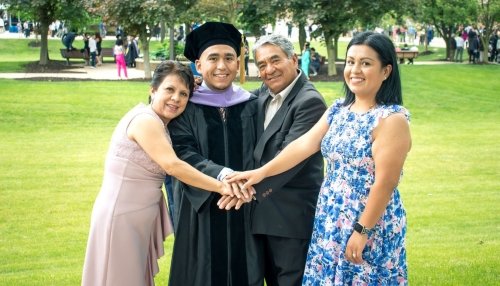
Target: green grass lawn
(16,52)
(55,136)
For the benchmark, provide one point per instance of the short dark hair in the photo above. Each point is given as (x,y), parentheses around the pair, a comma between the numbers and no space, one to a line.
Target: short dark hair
(390,90)
(169,67)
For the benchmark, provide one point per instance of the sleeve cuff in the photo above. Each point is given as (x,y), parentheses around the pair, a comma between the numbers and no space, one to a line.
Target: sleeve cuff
(223,173)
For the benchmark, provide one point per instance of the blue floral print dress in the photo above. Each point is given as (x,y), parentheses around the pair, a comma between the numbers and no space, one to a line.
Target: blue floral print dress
(347,147)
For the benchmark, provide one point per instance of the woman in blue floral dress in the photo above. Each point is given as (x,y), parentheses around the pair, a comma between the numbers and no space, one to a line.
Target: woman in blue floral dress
(360,224)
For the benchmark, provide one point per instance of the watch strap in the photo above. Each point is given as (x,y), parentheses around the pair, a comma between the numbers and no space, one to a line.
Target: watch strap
(362,229)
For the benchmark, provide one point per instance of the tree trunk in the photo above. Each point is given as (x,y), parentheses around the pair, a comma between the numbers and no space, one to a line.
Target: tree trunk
(448,47)
(446,33)
(330,49)
(336,47)
(232,15)
(162,31)
(143,38)
(171,46)
(302,36)
(485,41)
(44,47)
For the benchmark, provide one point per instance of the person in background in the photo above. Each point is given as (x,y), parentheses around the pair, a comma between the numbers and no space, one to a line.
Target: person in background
(86,49)
(102,29)
(93,51)
(289,26)
(98,40)
(119,53)
(132,52)
(19,29)
(247,54)
(453,48)
(460,48)
(360,223)
(129,220)
(305,60)
(68,39)
(315,62)
(473,47)
(180,35)
(27,29)
(216,134)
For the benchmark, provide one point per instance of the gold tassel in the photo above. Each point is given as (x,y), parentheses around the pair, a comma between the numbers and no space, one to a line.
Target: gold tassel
(242,61)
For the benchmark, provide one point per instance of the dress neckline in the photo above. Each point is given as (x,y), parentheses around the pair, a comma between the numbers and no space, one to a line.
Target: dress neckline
(373,107)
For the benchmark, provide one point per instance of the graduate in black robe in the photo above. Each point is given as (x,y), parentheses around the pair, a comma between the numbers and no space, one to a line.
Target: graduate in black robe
(132,52)
(215,134)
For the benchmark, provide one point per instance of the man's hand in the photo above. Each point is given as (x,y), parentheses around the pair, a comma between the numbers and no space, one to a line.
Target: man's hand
(238,190)
(228,202)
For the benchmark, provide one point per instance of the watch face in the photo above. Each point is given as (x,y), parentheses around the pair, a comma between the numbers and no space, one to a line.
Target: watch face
(361,229)
(358,227)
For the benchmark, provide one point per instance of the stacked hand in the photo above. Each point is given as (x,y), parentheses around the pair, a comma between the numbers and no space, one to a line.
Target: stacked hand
(242,187)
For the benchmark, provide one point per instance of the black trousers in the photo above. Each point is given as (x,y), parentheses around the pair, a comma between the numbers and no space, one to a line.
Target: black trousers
(283,259)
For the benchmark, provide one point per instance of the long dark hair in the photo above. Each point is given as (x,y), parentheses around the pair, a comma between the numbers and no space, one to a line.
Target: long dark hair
(169,67)
(390,90)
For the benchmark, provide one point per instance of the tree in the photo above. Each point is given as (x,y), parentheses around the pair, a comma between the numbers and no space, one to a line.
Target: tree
(219,10)
(446,16)
(253,15)
(336,17)
(44,12)
(489,16)
(299,11)
(139,17)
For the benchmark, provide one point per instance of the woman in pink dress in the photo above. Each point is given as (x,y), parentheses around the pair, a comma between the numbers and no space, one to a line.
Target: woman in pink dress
(130,221)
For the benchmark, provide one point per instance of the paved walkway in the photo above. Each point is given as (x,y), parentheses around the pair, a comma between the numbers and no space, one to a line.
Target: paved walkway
(107,71)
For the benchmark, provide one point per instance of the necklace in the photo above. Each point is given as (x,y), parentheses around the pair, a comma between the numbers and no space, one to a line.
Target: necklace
(369,108)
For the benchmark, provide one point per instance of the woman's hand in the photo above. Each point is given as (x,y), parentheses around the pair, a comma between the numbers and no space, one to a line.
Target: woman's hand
(225,189)
(249,177)
(355,246)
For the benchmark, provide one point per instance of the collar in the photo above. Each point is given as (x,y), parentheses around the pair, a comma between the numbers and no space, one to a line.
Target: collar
(285,92)
(233,95)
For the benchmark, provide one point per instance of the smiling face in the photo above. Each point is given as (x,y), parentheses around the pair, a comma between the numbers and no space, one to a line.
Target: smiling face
(218,64)
(275,68)
(171,97)
(363,71)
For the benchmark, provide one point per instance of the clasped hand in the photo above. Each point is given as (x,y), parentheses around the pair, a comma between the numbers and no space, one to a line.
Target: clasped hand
(234,195)
(242,188)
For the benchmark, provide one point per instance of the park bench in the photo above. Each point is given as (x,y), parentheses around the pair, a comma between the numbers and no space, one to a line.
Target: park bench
(77,54)
(74,54)
(410,55)
(107,52)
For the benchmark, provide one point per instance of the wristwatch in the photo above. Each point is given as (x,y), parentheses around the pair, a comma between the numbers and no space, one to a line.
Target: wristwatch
(362,229)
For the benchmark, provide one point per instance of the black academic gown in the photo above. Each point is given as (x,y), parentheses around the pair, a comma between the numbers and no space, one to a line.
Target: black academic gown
(212,246)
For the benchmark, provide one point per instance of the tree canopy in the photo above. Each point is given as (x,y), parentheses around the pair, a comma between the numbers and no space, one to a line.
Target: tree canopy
(139,17)
(44,12)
